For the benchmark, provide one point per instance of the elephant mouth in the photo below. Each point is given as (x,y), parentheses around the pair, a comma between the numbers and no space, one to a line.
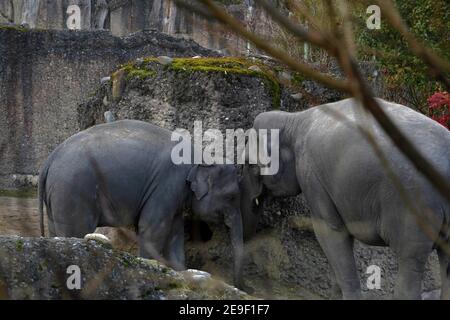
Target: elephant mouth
(199,231)
(257,204)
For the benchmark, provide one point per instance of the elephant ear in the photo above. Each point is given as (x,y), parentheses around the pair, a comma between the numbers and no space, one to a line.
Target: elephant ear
(251,180)
(198,178)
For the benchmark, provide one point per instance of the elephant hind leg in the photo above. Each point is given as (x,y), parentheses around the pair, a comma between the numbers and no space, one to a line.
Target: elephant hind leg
(51,229)
(338,247)
(334,238)
(174,248)
(444,261)
(72,218)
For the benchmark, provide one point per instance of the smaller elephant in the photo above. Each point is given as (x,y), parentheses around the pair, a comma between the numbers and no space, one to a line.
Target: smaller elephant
(351,194)
(121,174)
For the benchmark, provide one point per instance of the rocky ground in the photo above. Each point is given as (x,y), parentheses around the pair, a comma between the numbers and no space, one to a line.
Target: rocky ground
(38,268)
(284,260)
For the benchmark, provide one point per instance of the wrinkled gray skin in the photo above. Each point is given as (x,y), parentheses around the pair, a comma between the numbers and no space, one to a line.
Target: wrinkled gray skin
(121,174)
(349,193)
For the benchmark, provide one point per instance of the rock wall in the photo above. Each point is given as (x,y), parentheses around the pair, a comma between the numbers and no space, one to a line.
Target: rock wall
(123,17)
(45,75)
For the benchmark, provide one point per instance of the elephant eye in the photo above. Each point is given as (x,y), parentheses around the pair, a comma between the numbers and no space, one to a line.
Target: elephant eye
(231,196)
(255,170)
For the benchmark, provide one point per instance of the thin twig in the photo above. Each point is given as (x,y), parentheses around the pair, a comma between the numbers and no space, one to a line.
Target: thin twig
(264,45)
(358,88)
(312,36)
(439,68)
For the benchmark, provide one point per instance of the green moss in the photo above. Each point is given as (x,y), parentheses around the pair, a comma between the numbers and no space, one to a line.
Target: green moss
(297,79)
(226,65)
(30,192)
(19,245)
(141,73)
(231,66)
(13,27)
(174,285)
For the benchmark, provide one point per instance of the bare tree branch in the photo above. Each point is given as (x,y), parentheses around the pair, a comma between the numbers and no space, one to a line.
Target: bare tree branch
(312,36)
(263,44)
(358,88)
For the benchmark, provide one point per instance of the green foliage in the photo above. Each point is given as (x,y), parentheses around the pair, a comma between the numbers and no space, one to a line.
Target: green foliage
(429,20)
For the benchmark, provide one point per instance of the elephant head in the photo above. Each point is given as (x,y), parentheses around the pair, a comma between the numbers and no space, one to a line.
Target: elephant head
(256,186)
(216,198)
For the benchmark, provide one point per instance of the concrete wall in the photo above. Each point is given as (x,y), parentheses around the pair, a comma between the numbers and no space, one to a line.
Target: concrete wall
(45,75)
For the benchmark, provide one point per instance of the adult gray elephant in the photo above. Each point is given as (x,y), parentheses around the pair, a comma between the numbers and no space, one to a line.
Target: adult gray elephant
(121,174)
(350,193)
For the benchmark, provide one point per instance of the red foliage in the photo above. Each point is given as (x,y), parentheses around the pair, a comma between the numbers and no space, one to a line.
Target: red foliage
(439,108)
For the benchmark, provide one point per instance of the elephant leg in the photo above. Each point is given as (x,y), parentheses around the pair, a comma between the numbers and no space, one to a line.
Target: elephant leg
(174,248)
(72,218)
(336,292)
(51,228)
(154,228)
(444,261)
(412,247)
(411,266)
(333,237)
(338,247)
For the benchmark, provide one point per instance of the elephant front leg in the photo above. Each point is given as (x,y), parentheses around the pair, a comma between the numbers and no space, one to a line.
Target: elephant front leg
(444,261)
(174,249)
(338,247)
(408,285)
(153,232)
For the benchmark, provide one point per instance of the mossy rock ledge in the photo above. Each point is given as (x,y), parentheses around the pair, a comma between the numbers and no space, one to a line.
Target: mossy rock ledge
(38,268)
(223,92)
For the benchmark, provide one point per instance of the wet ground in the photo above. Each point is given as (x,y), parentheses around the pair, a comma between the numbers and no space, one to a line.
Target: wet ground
(19,216)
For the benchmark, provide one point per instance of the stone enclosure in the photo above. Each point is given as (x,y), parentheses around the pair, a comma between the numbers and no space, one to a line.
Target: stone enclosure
(51,87)
(45,75)
(284,260)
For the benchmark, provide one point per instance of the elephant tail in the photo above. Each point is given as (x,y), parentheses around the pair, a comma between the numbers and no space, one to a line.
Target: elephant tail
(42,195)
(42,189)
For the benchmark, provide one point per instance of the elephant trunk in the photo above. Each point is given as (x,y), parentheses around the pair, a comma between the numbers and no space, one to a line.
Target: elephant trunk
(251,202)
(251,211)
(234,222)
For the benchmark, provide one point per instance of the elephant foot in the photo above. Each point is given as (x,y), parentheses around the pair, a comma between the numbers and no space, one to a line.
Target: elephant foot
(245,288)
